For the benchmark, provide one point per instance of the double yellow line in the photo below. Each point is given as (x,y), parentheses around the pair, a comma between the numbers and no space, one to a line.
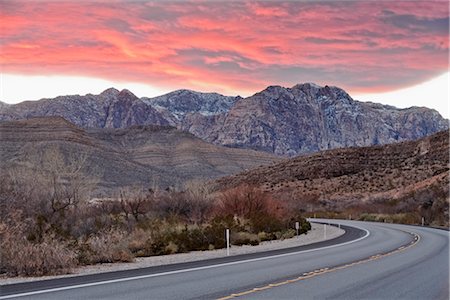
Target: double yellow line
(325,270)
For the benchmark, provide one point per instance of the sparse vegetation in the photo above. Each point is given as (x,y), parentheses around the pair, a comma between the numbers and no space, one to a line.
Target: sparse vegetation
(47,217)
(394,183)
(45,211)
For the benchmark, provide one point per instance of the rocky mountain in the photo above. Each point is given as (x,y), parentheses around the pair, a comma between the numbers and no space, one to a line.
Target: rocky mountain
(307,118)
(175,106)
(110,109)
(285,121)
(406,180)
(3,105)
(138,155)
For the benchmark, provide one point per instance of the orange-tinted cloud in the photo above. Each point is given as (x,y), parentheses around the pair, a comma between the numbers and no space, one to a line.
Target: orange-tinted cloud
(231,47)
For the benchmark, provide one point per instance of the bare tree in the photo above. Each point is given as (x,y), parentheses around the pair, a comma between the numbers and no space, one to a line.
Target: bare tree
(200,200)
(135,202)
(68,179)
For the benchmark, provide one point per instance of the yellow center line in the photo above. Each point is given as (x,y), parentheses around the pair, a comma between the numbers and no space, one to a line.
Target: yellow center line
(324,270)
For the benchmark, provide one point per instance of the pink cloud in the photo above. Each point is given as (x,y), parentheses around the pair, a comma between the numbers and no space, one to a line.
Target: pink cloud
(230,47)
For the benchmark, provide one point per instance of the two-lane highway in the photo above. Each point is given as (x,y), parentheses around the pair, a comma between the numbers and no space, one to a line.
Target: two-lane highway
(376,261)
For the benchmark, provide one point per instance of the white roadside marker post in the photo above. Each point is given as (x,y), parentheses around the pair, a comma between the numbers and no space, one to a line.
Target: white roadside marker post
(324,231)
(227,234)
(423,221)
(297,226)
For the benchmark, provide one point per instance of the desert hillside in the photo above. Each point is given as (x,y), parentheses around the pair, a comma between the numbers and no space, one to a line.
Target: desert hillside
(408,177)
(139,155)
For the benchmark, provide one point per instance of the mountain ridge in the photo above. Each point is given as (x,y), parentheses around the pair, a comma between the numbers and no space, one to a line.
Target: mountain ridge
(302,119)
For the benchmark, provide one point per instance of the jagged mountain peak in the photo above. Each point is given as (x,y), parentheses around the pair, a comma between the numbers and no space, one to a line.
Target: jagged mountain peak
(307,85)
(113,94)
(110,92)
(321,92)
(127,94)
(272,92)
(302,93)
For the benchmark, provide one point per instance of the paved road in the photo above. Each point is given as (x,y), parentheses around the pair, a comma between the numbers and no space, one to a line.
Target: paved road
(383,261)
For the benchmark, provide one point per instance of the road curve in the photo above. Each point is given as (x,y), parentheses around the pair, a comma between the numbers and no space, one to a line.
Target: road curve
(376,261)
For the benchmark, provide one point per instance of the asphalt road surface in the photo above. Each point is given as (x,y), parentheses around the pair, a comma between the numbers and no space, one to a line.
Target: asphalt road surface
(370,261)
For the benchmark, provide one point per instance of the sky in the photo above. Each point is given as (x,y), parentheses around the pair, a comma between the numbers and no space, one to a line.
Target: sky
(393,52)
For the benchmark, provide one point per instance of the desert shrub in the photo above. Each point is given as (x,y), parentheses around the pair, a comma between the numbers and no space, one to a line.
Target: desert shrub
(190,239)
(172,248)
(138,241)
(369,217)
(287,234)
(243,201)
(264,236)
(153,237)
(171,204)
(215,234)
(265,222)
(244,238)
(401,218)
(304,225)
(199,195)
(215,231)
(136,202)
(158,246)
(21,257)
(106,247)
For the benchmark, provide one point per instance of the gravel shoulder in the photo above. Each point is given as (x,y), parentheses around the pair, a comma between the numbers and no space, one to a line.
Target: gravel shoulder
(316,234)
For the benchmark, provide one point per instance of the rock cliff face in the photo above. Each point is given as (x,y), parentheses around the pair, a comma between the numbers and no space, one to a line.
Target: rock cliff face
(286,121)
(307,118)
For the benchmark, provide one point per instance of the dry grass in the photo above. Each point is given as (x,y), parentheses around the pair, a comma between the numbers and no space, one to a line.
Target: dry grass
(108,247)
(20,257)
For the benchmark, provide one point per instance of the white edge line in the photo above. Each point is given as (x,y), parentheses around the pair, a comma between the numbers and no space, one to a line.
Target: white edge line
(70,287)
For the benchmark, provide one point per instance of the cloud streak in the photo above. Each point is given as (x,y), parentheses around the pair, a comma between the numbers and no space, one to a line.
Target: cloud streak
(230,47)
